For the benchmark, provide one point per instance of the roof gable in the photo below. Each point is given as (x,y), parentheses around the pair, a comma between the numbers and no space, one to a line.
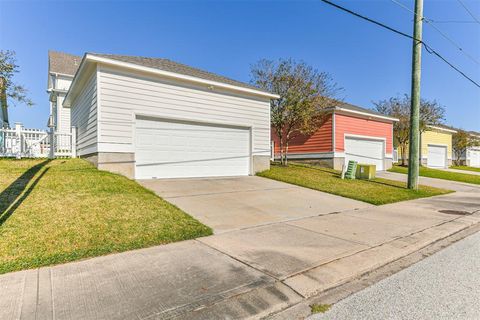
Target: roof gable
(441,127)
(350,108)
(175,67)
(161,68)
(63,63)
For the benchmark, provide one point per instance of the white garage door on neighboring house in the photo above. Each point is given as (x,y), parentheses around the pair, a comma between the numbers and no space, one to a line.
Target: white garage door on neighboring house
(437,156)
(365,151)
(474,158)
(179,149)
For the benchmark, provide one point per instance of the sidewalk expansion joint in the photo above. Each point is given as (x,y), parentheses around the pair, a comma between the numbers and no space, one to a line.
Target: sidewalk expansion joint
(238,260)
(291,220)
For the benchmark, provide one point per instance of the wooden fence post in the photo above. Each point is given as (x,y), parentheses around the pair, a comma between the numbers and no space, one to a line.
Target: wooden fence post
(18,133)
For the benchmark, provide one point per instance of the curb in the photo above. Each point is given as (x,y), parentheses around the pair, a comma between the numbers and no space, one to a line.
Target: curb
(348,286)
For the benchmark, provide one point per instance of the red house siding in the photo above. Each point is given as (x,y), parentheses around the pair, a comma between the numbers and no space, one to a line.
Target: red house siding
(365,127)
(320,141)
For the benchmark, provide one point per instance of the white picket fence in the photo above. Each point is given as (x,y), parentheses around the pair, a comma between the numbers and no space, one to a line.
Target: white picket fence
(33,143)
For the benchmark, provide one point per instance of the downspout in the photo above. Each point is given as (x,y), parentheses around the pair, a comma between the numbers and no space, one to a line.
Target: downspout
(333,140)
(333,133)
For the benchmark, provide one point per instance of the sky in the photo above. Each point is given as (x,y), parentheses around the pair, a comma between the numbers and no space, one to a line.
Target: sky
(227,37)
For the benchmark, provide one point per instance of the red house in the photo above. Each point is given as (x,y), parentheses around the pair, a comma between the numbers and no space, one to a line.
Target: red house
(348,133)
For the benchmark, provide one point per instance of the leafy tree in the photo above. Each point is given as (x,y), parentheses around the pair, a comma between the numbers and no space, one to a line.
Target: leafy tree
(304,93)
(460,142)
(9,90)
(431,113)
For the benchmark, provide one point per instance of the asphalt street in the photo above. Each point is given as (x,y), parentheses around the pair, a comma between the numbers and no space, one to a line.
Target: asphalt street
(445,285)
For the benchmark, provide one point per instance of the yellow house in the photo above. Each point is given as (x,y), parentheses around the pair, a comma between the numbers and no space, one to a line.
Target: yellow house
(436,147)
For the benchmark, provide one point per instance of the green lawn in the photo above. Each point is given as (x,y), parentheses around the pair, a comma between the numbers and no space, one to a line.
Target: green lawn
(441,174)
(466,168)
(63,210)
(377,191)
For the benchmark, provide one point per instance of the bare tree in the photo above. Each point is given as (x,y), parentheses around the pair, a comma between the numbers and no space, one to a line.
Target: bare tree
(461,140)
(9,90)
(431,113)
(304,93)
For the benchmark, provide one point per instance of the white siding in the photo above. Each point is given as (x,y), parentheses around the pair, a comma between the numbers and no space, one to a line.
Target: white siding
(122,96)
(63,116)
(63,83)
(84,117)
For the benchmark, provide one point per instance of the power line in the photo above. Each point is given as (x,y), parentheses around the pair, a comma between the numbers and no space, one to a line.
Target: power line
(468,10)
(453,21)
(430,22)
(368,19)
(405,7)
(427,47)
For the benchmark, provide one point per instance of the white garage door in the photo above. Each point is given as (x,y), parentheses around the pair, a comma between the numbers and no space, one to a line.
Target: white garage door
(437,156)
(176,149)
(474,158)
(365,151)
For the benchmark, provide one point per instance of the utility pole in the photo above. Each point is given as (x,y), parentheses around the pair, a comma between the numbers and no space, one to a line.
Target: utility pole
(414,145)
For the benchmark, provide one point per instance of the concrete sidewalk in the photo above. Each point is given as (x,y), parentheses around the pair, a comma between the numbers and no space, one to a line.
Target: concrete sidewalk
(245,273)
(475,173)
(438,183)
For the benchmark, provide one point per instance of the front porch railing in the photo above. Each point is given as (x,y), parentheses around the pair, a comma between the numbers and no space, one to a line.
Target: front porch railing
(20,142)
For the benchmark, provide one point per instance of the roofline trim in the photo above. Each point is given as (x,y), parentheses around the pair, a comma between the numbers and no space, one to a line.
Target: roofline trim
(66,101)
(441,129)
(174,75)
(365,114)
(61,74)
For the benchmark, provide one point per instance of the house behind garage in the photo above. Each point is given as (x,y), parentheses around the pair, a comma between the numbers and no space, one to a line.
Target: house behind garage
(61,70)
(471,156)
(348,133)
(153,118)
(435,146)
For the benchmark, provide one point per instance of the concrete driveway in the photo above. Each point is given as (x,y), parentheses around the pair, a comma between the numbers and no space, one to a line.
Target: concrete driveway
(233,203)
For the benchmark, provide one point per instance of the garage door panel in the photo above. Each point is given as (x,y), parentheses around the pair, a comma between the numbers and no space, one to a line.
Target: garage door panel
(170,149)
(437,156)
(365,151)
(474,156)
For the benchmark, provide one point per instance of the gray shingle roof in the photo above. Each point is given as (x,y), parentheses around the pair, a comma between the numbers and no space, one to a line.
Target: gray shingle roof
(171,66)
(352,107)
(444,126)
(61,62)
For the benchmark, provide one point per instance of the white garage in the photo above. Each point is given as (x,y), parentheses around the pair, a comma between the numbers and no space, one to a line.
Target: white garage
(365,151)
(179,149)
(437,156)
(474,157)
(151,118)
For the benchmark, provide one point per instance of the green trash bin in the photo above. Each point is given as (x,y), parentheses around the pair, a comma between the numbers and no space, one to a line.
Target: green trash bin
(366,171)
